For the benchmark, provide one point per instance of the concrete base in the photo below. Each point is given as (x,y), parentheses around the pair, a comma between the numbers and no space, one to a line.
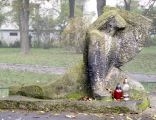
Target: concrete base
(95,106)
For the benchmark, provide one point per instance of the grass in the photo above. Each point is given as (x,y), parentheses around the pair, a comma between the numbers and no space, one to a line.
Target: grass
(11,78)
(150,87)
(145,62)
(52,57)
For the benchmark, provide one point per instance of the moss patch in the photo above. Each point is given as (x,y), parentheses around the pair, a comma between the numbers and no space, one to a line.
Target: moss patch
(13,90)
(75,96)
(107,99)
(145,104)
(64,105)
(32,91)
(137,95)
(142,96)
(73,82)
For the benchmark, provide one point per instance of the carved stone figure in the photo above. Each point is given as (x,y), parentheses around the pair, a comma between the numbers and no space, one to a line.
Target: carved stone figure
(113,40)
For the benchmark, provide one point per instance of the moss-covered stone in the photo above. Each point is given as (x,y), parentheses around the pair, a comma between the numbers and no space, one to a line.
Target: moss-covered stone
(69,105)
(32,91)
(144,105)
(114,39)
(111,41)
(73,82)
(13,90)
(74,34)
(75,96)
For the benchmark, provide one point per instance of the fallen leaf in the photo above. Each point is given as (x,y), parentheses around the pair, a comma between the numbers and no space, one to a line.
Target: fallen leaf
(83,114)
(41,112)
(56,114)
(128,118)
(99,115)
(154,117)
(86,98)
(13,111)
(70,116)
(121,114)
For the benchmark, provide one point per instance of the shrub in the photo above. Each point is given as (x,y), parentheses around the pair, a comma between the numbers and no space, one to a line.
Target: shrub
(153,40)
(16,44)
(32,91)
(3,44)
(73,35)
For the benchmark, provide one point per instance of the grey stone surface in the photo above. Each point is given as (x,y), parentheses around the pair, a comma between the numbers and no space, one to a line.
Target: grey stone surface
(27,115)
(113,40)
(95,106)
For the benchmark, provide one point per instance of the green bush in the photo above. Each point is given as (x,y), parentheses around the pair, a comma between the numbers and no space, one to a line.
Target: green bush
(153,40)
(32,91)
(16,44)
(72,85)
(73,36)
(4,44)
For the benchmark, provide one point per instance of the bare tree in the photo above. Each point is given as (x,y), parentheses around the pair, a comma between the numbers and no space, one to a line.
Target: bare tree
(127,4)
(24,25)
(71,8)
(100,5)
(150,4)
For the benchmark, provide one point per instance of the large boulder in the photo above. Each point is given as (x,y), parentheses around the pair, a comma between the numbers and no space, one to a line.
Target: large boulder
(113,40)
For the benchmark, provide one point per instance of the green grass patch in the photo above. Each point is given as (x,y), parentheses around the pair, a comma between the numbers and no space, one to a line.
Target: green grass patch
(149,86)
(75,96)
(11,78)
(145,62)
(58,57)
(145,104)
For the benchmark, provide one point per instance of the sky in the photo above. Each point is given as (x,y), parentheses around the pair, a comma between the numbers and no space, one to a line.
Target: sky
(111,2)
(114,2)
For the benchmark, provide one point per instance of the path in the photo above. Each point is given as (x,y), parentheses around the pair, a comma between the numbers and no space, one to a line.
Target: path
(33,68)
(40,115)
(61,70)
(23,115)
(143,77)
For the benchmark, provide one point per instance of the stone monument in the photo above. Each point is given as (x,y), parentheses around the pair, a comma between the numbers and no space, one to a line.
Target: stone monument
(114,39)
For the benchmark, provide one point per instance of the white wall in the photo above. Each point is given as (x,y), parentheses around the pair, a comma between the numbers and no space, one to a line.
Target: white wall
(7,38)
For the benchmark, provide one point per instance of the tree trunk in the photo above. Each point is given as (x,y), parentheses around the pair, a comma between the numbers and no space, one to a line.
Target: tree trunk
(71,8)
(100,5)
(127,5)
(24,25)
